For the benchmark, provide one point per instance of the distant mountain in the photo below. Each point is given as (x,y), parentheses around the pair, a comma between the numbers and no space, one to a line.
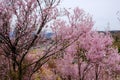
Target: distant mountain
(48,35)
(115,33)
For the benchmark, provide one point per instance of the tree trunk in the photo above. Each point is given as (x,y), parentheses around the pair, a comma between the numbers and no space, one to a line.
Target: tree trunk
(20,74)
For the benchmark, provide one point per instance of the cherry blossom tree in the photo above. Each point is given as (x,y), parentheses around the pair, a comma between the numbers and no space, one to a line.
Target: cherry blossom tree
(21,26)
(91,56)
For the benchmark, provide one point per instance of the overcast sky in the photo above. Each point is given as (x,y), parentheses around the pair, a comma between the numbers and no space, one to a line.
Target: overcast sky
(102,11)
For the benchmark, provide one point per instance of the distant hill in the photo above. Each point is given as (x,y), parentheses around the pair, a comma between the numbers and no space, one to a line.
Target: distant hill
(115,34)
(48,35)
